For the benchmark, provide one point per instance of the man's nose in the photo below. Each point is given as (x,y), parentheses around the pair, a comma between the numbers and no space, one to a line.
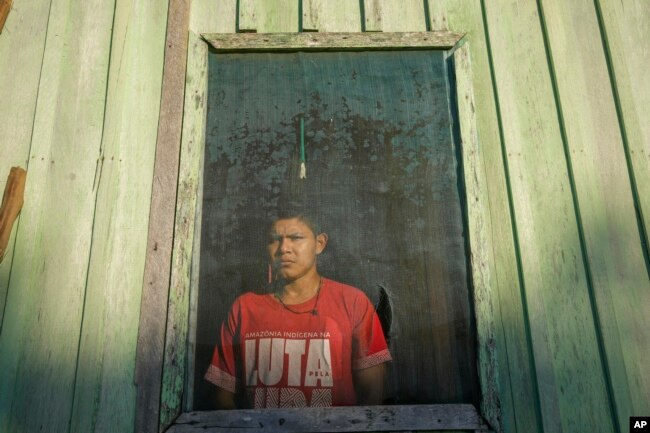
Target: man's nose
(283,247)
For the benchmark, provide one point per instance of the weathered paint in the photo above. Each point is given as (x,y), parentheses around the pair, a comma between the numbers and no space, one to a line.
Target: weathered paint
(210,16)
(40,336)
(320,42)
(623,26)
(262,17)
(572,390)
(20,71)
(518,107)
(331,16)
(403,16)
(106,364)
(513,369)
(604,199)
(176,356)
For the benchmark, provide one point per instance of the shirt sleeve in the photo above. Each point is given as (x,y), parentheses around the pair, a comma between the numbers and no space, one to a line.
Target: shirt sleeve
(222,369)
(369,346)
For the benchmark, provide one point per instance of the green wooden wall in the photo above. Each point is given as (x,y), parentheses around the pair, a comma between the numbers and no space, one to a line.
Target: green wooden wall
(80,89)
(562,107)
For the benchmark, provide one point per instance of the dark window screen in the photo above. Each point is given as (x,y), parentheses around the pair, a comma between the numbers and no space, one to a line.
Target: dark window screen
(383,175)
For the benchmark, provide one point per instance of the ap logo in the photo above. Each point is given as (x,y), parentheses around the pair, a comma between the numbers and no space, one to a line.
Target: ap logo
(640,424)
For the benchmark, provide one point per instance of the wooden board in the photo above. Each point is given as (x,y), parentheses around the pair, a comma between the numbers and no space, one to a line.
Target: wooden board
(105,393)
(371,16)
(192,148)
(621,288)
(571,390)
(623,26)
(210,16)
(331,16)
(21,47)
(155,293)
(341,419)
(268,16)
(332,41)
(484,292)
(513,368)
(40,336)
(403,16)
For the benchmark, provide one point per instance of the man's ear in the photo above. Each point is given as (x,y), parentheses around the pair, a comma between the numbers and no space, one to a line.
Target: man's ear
(321,242)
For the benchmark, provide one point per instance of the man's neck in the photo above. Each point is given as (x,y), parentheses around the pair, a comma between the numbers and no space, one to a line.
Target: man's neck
(300,290)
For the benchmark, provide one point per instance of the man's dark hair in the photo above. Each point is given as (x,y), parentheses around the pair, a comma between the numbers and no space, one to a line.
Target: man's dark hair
(310,218)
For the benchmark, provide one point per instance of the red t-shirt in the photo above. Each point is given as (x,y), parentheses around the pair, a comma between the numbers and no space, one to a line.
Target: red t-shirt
(284,359)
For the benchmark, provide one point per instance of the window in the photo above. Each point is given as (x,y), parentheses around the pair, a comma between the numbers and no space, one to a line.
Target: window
(384,161)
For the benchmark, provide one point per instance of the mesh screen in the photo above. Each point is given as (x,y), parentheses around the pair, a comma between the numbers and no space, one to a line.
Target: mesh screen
(383,179)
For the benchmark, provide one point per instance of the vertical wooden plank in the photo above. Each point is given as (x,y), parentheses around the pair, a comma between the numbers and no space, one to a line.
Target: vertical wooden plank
(105,391)
(513,371)
(614,250)
(22,44)
(572,389)
(192,150)
(247,20)
(331,16)
(478,227)
(624,25)
(210,16)
(372,16)
(403,16)
(310,15)
(194,298)
(155,293)
(40,336)
(268,16)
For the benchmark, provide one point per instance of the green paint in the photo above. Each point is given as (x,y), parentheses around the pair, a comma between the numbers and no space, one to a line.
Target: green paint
(605,206)
(41,330)
(105,388)
(23,48)
(175,363)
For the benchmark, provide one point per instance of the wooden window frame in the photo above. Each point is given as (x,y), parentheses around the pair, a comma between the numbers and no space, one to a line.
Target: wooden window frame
(164,361)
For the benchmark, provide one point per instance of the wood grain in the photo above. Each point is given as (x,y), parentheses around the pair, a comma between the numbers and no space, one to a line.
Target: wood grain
(331,16)
(269,16)
(479,232)
(341,419)
(155,293)
(40,334)
(623,25)
(332,41)
(24,45)
(403,16)
(372,16)
(567,361)
(12,203)
(105,393)
(192,150)
(621,288)
(210,16)
(514,373)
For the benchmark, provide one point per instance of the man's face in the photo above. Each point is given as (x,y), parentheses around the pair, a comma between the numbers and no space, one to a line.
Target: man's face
(293,248)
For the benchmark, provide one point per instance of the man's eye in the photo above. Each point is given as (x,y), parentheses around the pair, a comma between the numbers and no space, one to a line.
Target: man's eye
(295,237)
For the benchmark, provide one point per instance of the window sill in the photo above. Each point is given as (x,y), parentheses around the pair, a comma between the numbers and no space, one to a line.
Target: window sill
(340,419)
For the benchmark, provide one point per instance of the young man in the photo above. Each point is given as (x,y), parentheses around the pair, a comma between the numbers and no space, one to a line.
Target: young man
(310,342)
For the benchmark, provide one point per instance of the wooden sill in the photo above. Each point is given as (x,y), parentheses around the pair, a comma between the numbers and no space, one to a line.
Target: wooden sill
(269,42)
(430,417)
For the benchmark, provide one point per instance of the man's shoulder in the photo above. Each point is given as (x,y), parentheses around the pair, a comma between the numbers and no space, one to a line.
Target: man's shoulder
(342,289)
(249,298)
